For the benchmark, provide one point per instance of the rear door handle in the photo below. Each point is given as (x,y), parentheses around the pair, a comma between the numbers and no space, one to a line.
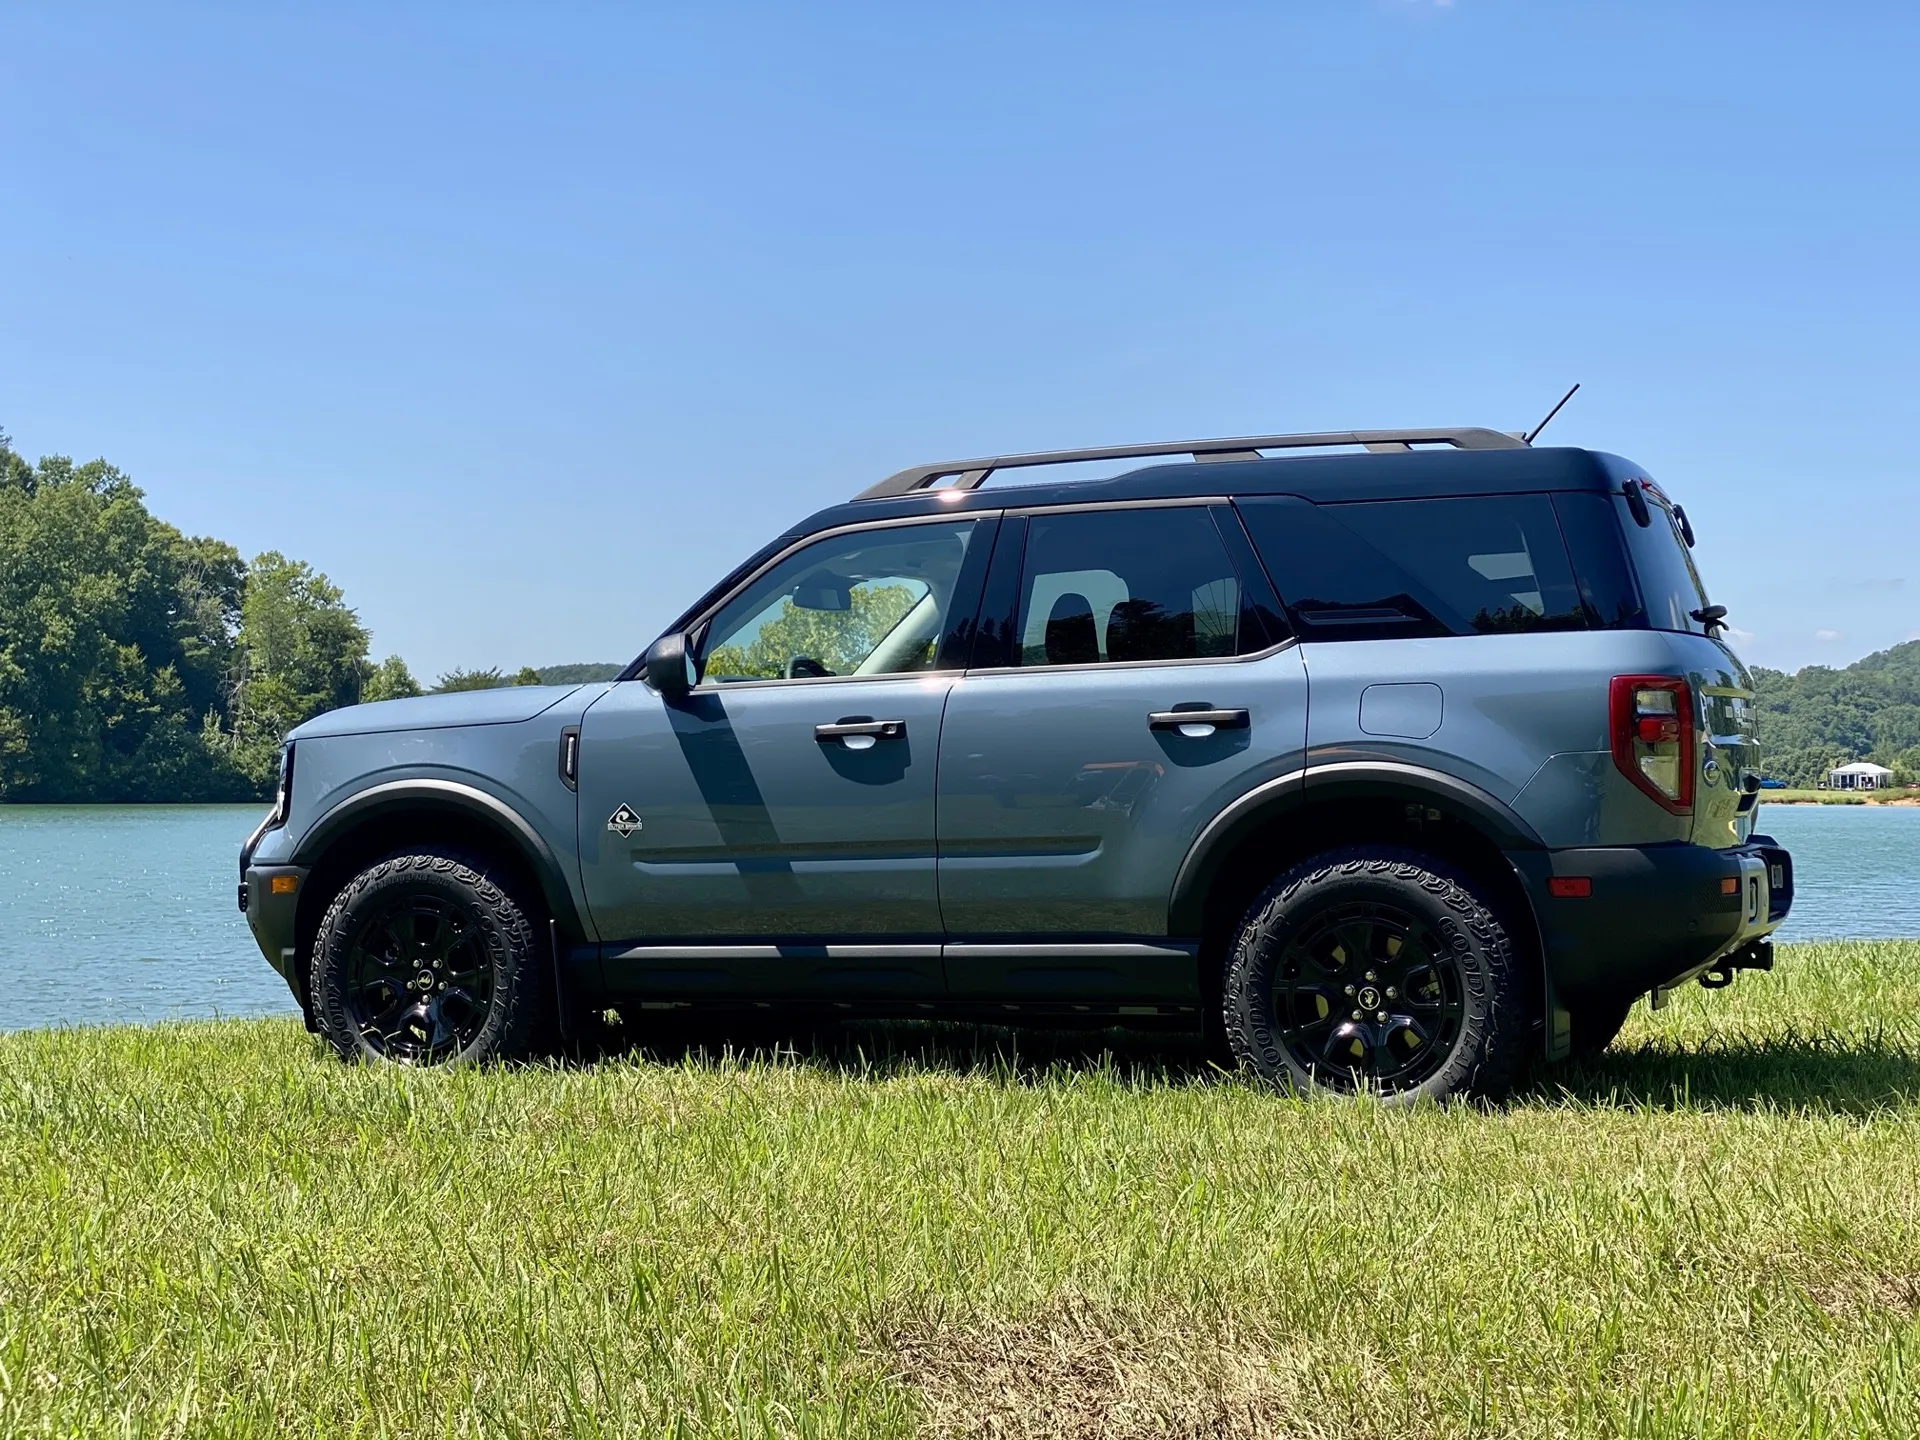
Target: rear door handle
(860,734)
(1198,723)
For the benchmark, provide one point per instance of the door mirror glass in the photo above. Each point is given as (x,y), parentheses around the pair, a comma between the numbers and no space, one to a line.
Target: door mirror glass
(669,666)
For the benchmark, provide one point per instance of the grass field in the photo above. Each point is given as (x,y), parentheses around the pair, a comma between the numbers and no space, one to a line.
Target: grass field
(209,1229)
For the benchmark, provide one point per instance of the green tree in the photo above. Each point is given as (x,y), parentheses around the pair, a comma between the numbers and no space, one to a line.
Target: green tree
(457,679)
(390,680)
(116,636)
(838,639)
(302,652)
(527,675)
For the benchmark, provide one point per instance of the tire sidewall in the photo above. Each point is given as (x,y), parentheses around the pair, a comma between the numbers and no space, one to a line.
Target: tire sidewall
(1437,898)
(503,934)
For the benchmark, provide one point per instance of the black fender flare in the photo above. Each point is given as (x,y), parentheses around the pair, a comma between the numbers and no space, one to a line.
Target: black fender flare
(447,797)
(1359,779)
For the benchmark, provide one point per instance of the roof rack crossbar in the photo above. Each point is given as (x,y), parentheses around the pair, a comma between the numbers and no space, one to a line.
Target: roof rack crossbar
(970,474)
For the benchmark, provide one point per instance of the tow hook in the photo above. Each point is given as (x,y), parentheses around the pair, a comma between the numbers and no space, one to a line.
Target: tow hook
(1757,956)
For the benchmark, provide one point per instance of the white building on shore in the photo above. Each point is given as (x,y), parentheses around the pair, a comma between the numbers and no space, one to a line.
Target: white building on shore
(1860,775)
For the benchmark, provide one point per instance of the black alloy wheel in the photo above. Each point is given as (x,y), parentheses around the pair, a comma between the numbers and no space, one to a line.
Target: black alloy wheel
(1365,997)
(419,981)
(1380,970)
(431,958)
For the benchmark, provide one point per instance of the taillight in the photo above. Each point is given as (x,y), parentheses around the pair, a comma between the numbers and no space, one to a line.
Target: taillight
(1651,719)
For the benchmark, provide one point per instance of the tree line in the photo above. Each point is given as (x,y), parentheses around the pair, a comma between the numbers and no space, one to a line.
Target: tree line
(141,664)
(1820,717)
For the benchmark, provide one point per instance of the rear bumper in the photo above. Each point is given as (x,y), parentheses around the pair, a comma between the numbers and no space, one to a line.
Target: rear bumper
(1656,914)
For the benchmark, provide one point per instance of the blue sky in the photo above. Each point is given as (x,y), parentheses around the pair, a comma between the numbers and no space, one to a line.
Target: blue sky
(524,323)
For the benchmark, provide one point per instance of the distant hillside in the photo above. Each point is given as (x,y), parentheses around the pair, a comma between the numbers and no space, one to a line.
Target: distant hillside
(1818,717)
(576,674)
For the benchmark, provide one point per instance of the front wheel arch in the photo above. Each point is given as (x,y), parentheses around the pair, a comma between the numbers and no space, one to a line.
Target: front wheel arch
(341,845)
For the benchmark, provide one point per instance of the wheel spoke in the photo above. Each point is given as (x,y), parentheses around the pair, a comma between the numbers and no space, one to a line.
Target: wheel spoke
(1311,1007)
(1356,939)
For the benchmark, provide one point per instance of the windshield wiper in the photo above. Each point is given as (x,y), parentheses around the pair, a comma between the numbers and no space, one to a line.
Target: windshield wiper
(1714,617)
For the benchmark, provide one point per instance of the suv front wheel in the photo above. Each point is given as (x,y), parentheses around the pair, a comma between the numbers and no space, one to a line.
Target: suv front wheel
(1377,969)
(426,959)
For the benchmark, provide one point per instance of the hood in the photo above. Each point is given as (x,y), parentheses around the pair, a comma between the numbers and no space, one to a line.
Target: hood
(505,705)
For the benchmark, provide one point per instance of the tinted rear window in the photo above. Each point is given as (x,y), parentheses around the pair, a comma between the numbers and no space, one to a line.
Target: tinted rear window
(1481,565)
(1670,588)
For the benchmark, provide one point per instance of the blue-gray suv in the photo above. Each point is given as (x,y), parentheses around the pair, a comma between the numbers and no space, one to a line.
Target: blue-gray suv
(1390,767)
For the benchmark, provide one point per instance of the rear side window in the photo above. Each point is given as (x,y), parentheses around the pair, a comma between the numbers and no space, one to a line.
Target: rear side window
(1482,565)
(1147,583)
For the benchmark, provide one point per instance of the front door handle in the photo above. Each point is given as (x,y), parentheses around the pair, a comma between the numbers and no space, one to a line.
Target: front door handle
(860,734)
(1197,723)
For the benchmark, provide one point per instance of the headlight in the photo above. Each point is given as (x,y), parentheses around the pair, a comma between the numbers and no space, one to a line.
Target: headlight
(283,796)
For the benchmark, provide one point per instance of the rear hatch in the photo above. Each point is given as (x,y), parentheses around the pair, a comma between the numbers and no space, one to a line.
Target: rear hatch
(1726,753)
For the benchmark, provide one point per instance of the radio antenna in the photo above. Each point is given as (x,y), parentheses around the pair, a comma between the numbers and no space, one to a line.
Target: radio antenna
(1534,434)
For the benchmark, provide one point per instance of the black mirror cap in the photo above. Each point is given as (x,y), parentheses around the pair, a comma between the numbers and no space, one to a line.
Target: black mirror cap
(668,666)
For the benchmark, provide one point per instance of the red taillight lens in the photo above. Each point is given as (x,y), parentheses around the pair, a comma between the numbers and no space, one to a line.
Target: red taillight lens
(1651,720)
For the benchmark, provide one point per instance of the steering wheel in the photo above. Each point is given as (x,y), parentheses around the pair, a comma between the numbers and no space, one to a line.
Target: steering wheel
(805,667)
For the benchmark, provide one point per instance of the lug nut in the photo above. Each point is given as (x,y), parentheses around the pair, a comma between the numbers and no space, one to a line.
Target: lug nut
(1349,989)
(1381,1017)
(1371,975)
(1356,1014)
(1391,992)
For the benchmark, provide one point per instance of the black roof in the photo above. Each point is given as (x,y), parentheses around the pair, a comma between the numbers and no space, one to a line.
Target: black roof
(1325,479)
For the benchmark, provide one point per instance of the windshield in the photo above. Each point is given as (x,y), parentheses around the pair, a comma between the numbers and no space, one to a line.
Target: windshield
(1670,587)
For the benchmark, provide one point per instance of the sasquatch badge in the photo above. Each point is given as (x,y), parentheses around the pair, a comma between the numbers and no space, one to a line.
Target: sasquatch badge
(623,822)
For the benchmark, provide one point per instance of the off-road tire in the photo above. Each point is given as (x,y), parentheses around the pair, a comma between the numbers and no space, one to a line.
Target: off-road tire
(1496,1002)
(521,1015)
(1592,1028)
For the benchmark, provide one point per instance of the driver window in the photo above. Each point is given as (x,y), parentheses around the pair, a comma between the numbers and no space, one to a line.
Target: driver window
(870,602)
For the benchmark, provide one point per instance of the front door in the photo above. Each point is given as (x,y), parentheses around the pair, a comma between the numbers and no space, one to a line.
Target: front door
(773,832)
(1144,686)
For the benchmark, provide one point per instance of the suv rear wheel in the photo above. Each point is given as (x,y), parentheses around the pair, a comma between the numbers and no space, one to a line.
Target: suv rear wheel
(1377,969)
(425,959)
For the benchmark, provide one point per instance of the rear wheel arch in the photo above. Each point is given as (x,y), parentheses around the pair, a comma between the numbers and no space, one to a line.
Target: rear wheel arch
(1283,822)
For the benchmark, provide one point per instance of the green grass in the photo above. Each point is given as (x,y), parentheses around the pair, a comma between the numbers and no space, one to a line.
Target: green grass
(211,1229)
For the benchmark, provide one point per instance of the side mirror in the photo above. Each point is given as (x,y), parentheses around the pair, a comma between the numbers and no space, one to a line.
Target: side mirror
(669,668)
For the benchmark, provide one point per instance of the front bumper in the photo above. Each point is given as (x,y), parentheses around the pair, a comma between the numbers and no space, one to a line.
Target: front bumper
(270,896)
(1656,914)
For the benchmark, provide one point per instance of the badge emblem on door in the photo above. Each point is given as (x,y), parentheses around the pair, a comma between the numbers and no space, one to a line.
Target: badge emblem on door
(623,822)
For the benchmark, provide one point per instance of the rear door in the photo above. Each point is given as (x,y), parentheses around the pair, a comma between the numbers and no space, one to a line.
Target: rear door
(1070,785)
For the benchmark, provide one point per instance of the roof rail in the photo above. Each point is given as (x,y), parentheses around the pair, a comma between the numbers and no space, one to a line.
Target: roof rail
(970,473)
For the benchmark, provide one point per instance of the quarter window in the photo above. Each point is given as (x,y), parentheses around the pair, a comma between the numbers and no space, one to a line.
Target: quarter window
(1485,565)
(870,602)
(1148,583)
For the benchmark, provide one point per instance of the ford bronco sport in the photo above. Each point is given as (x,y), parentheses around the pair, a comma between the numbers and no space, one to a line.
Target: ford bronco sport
(1391,768)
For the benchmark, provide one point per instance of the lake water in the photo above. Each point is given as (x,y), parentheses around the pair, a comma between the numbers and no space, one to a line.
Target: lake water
(113,914)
